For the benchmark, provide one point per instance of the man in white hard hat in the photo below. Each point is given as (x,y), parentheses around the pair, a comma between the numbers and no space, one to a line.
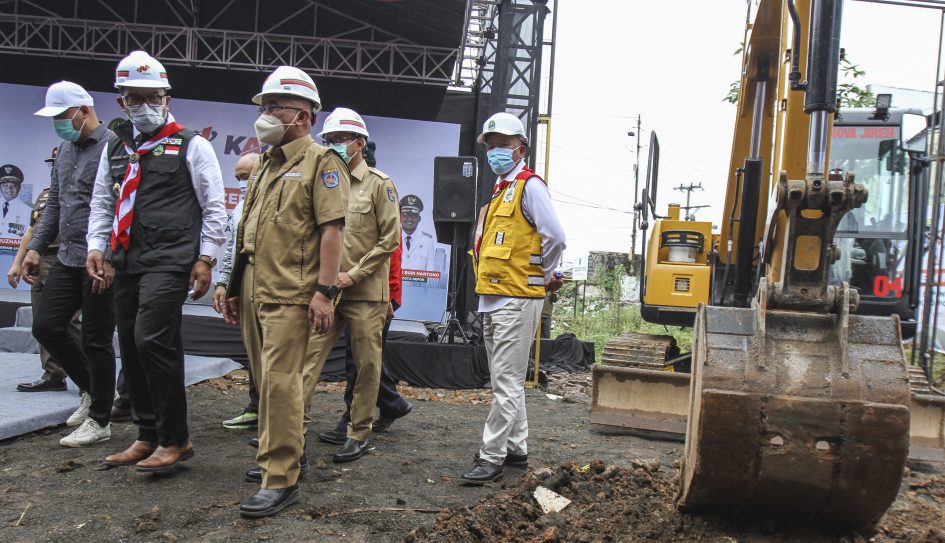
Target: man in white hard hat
(249,417)
(91,362)
(519,241)
(164,239)
(284,281)
(372,234)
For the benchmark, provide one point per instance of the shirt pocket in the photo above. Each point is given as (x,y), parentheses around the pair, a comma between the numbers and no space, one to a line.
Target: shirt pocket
(358,218)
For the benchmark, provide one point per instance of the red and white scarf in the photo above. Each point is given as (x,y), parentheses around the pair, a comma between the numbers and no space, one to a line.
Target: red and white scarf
(124,209)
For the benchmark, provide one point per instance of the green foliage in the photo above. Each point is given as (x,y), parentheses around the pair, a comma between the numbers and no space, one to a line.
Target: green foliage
(734,92)
(600,315)
(849,92)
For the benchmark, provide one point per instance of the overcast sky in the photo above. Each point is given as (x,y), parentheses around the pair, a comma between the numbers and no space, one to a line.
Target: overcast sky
(672,63)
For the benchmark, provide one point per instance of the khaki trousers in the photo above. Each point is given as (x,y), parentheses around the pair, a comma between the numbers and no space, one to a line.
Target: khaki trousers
(508,333)
(365,322)
(281,333)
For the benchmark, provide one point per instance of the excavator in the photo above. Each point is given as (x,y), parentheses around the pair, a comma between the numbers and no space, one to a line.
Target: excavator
(797,399)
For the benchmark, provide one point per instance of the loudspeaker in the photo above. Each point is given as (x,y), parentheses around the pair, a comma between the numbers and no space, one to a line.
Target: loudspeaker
(454,189)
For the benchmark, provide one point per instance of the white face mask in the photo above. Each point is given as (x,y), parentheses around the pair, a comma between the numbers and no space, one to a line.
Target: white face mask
(270,130)
(147,118)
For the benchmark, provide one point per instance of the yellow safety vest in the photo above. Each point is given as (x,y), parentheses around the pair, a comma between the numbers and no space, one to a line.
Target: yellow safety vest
(509,262)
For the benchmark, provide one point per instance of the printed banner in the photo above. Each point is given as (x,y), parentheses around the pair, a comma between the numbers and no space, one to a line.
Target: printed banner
(405,151)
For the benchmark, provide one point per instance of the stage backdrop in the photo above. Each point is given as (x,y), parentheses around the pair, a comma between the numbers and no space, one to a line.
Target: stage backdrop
(405,151)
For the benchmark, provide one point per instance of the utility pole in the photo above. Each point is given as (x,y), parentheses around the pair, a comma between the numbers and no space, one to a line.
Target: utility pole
(636,200)
(688,190)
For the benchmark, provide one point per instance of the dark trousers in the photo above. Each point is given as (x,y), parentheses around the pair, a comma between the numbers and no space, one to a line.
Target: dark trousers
(91,365)
(152,353)
(388,399)
(253,404)
(124,391)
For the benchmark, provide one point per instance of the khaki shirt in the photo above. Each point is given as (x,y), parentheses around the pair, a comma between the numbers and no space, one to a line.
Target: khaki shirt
(39,206)
(372,233)
(294,189)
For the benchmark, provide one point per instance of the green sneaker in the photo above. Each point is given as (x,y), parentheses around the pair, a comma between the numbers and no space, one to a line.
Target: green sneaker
(243,421)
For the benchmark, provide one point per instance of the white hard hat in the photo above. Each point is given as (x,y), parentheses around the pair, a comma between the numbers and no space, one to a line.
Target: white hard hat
(63,95)
(503,123)
(290,81)
(141,70)
(343,119)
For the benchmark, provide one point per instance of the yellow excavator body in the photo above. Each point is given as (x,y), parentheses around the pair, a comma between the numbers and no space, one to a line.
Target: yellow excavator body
(794,405)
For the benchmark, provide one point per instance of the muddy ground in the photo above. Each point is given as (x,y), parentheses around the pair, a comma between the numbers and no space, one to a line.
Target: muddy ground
(406,488)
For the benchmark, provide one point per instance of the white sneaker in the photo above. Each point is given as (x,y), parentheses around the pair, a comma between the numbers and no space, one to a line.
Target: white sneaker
(82,412)
(90,432)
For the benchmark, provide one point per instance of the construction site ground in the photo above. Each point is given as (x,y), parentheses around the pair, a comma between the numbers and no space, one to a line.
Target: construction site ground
(406,488)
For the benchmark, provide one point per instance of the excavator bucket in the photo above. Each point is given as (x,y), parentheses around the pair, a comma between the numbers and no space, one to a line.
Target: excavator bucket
(796,414)
(631,391)
(927,424)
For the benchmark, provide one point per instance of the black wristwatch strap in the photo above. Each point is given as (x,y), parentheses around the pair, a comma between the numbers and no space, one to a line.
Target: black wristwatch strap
(330,291)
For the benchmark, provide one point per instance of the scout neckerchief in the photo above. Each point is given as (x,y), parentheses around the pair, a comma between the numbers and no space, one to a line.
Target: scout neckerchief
(501,186)
(124,209)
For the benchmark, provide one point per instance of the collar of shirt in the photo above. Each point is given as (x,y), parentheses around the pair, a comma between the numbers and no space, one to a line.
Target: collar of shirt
(512,173)
(359,171)
(170,118)
(97,135)
(283,153)
(504,181)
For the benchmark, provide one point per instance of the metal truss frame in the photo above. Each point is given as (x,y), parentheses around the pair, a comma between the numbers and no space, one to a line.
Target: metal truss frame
(362,51)
(510,75)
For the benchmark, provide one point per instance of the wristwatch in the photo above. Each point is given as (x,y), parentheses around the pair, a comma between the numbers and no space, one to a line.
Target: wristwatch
(329,291)
(212,262)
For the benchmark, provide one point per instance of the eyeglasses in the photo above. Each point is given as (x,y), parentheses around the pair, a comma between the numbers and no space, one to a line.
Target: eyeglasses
(136,100)
(272,108)
(341,138)
(241,177)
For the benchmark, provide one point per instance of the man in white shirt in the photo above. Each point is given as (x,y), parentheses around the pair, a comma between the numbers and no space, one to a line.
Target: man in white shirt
(163,240)
(250,415)
(14,213)
(418,245)
(519,242)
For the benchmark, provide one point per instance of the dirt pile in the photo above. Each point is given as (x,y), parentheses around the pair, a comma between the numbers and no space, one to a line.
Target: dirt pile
(610,503)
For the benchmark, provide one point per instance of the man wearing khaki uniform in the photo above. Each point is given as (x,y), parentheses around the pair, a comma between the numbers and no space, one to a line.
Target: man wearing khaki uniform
(289,245)
(372,233)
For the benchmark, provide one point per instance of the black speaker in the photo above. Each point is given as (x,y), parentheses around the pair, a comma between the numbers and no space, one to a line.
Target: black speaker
(454,189)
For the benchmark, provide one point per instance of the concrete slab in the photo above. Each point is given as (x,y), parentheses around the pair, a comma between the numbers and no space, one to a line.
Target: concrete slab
(25,412)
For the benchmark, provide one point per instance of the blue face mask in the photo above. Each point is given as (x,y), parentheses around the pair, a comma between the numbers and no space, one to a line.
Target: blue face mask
(500,160)
(65,130)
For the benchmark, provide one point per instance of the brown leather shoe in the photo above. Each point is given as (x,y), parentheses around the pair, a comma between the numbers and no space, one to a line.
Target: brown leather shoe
(165,459)
(138,451)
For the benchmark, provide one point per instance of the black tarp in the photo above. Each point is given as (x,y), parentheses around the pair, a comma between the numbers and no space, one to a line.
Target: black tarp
(409,358)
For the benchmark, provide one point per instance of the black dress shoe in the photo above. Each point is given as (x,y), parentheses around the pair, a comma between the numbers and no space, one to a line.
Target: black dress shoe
(512,460)
(351,450)
(254,442)
(254,475)
(483,472)
(383,422)
(267,502)
(120,414)
(42,385)
(332,436)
